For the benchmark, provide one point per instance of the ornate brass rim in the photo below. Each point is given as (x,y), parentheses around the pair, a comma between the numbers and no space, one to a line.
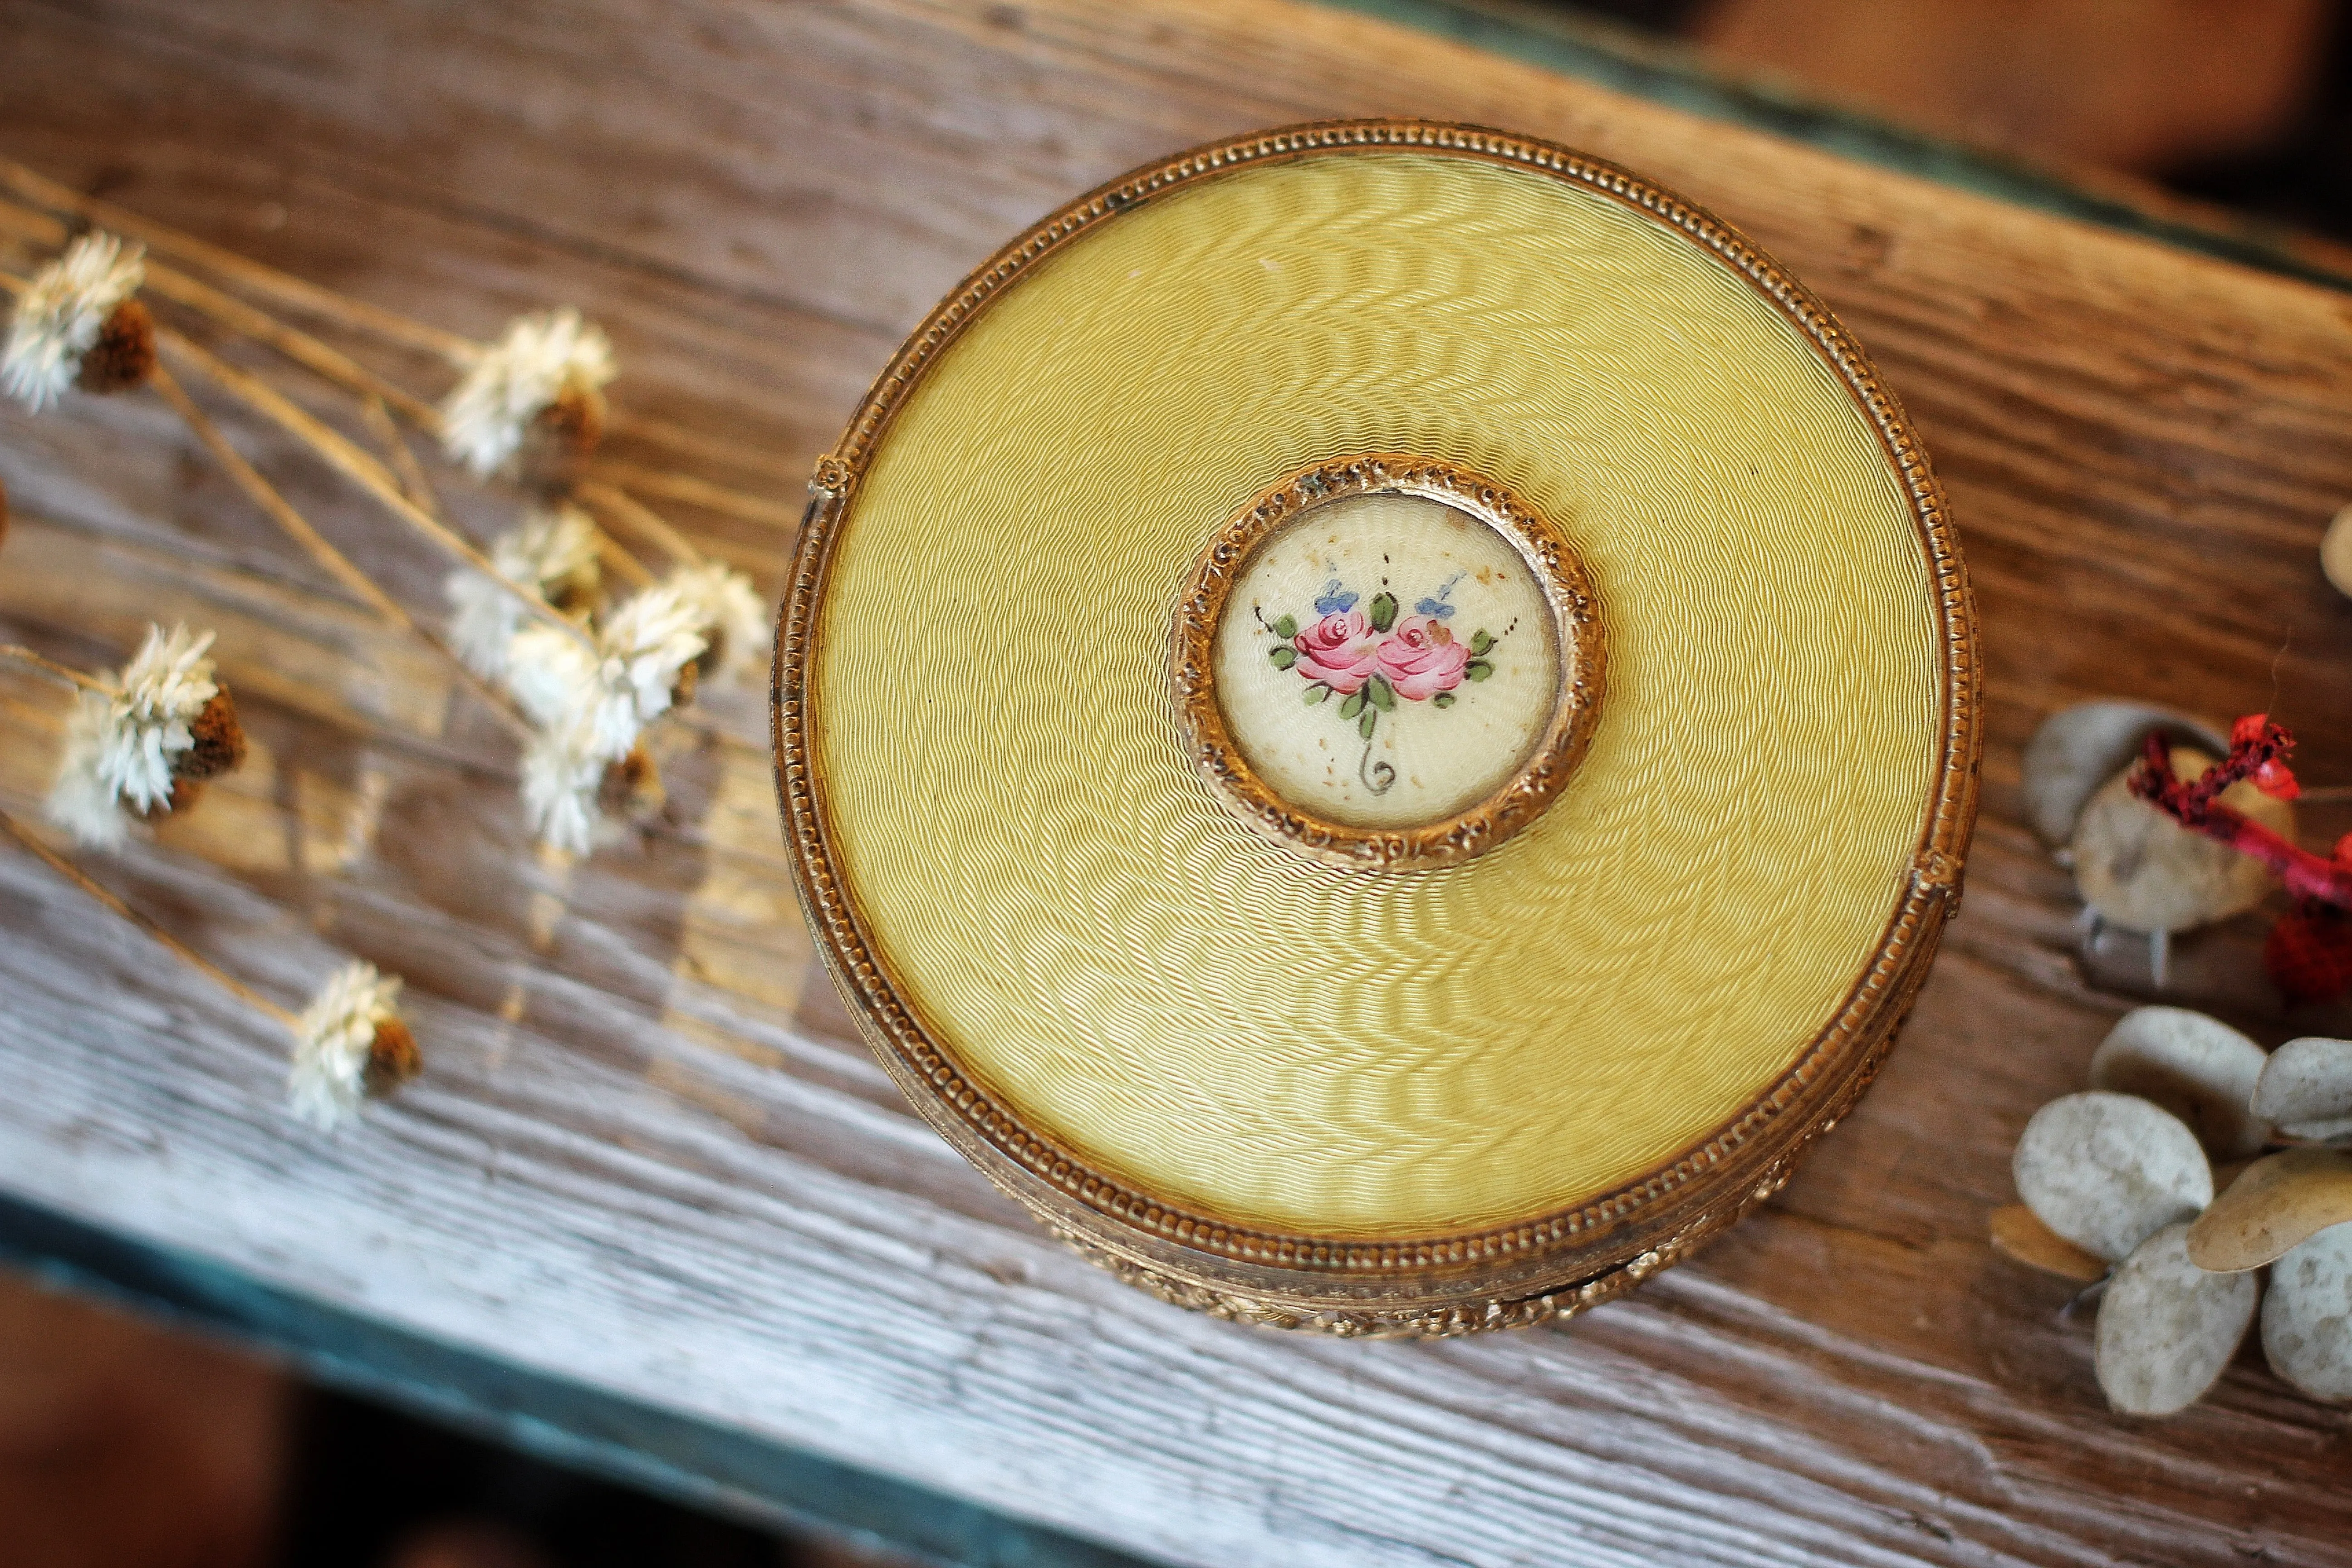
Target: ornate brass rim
(1520,798)
(1472,1278)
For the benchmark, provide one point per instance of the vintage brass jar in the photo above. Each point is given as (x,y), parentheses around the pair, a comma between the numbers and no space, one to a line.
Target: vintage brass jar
(1378,721)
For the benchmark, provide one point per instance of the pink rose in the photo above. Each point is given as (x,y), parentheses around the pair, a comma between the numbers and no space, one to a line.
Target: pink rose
(1339,650)
(1421,657)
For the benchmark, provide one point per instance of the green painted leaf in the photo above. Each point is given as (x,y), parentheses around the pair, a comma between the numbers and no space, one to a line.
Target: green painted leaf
(1364,725)
(1286,627)
(1442,699)
(1477,670)
(1384,610)
(1283,655)
(1382,694)
(1316,692)
(1480,644)
(1353,706)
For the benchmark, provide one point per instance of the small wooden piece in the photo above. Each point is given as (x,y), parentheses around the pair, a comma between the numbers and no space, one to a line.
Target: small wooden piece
(2017,1233)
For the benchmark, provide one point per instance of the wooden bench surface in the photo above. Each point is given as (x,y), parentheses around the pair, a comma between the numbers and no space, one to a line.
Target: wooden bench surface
(648,1156)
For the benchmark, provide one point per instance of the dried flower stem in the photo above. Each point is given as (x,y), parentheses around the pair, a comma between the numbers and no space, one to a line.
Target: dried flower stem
(338,367)
(679,438)
(238,316)
(299,346)
(371,475)
(172,944)
(410,472)
(2254,747)
(265,495)
(685,487)
(282,286)
(27,224)
(332,561)
(420,490)
(702,723)
(641,519)
(613,553)
(17,654)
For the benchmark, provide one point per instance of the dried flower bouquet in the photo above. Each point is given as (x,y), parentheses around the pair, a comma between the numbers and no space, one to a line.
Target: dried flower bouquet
(534,629)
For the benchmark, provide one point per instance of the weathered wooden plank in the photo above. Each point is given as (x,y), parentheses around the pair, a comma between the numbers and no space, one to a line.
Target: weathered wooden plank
(648,1156)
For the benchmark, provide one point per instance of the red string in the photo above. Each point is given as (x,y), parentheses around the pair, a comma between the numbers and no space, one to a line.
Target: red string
(2258,753)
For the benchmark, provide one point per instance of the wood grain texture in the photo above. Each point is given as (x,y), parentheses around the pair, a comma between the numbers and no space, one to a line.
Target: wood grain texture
(648,1156)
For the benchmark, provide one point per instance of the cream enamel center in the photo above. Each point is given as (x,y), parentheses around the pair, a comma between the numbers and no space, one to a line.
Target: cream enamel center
(1386,661)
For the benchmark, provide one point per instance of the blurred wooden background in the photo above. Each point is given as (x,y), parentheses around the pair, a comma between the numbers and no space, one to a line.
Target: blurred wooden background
(648,1159)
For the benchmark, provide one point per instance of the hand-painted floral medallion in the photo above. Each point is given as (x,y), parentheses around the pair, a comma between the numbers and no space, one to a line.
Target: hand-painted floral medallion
(1403,664)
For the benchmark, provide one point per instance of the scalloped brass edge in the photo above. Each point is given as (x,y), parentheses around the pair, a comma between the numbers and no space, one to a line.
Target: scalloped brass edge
(1520,799)
(1375,1286)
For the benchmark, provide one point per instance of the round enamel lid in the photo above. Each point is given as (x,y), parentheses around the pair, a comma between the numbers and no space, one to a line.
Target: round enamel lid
(1378,721)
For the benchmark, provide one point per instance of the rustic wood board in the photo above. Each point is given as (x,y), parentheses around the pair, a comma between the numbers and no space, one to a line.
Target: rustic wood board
(648,1156)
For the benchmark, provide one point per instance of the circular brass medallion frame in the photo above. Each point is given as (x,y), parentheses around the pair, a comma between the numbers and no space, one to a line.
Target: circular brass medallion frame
(1508,1275)
(1511,805)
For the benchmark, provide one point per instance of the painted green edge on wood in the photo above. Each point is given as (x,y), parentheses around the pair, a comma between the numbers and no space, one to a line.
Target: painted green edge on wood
(1622,60)
(697,1463)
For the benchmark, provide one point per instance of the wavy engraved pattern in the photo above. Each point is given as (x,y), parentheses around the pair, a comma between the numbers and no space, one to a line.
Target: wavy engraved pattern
(1361,1054)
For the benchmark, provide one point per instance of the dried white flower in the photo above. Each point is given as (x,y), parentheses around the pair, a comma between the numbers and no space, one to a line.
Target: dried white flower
(348,1041)
(60,314)
(541,357)
(163,690)
(730,616)
(551,552)
(562,785)
(80,802)
(612,689)
(123,748)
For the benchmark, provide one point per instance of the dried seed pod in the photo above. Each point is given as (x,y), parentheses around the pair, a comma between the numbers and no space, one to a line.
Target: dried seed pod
(2078,749)
(218,744)
(2275,1204)
(2307,1316)
(2167,1328)
(2141,870)
(2305,1090)
(632,788)
(557,443)
(123,357)
(689,680)
(2017,1235)
(2104,1170)
(393,1058)
(2198,1068)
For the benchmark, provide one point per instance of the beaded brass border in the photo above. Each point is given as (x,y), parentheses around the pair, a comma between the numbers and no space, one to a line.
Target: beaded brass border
(1511,805)
(1435,1284)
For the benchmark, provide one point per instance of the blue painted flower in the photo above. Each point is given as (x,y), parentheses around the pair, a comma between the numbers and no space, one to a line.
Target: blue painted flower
(1336,599)
(1438,606)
